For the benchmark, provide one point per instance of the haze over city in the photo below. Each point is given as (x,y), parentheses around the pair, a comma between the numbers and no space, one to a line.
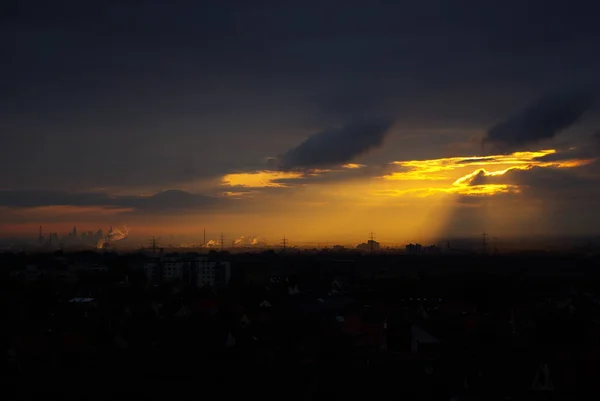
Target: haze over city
(412,120)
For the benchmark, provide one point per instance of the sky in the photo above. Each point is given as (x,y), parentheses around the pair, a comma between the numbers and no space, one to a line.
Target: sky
(318,120)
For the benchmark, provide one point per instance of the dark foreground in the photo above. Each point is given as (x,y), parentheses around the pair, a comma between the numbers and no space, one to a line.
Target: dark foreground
(306,327)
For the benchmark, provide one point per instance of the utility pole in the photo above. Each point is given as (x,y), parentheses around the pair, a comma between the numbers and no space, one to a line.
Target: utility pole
(204,239)
(284,243)
(372,241)
(222,241)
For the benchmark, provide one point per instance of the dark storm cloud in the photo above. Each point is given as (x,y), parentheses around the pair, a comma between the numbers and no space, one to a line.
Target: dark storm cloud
(336,146)
(550,184)
(34,198)
(584,149)
(126,93)
(567,199)
(329,176)
(542,120)
(170,200)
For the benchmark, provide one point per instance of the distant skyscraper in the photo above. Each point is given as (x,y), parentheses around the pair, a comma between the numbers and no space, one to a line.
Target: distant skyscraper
(74,231)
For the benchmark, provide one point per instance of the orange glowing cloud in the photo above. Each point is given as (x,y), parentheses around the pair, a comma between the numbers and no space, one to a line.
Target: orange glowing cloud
(462,175)
(487,189)
(436,169)
(260,179)
(238,194)
(471,183)
(353,166)
(471,178)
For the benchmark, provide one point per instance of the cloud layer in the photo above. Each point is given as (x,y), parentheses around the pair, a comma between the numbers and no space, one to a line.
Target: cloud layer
(540,121)
(135,97)
(165,201)
(337,146)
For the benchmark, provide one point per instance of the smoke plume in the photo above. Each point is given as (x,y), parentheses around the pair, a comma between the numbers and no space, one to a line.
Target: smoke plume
(249,241)
(542,120)
(211,244)
(337,146)
(113,236)
(258,241)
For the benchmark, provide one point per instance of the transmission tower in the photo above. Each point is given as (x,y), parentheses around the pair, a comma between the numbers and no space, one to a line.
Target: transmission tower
(372,241)
(284,242)
(153,244)
(222,241)
(484,242)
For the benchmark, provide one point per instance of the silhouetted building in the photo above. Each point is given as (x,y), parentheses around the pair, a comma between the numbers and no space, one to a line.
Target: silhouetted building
(369,246)
(198,271)
(413,248)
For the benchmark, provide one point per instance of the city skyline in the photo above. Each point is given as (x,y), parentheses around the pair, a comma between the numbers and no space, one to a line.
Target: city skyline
(121,239)
(413,120)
